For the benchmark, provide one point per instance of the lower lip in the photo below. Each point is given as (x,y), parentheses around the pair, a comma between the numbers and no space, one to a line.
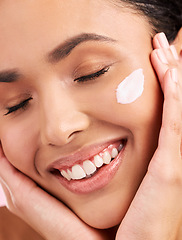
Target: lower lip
(99,180)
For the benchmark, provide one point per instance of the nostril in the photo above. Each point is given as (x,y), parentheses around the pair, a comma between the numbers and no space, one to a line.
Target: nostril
(67,139)
(73,133)
(63,128)
(51,144)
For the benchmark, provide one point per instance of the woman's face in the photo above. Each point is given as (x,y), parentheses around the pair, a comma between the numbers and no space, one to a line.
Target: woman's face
(60,65)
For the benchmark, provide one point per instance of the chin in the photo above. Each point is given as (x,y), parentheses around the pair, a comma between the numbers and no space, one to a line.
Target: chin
(106,214)
(104,221)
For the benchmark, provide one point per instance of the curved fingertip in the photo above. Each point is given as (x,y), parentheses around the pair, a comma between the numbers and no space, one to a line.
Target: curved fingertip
(160,41)
(156,44)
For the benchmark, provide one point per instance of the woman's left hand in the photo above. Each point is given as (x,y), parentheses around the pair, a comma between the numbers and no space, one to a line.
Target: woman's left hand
(44,213)
(156,210)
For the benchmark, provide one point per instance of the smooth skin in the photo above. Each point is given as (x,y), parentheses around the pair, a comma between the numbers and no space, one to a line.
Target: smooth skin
(158,195)
(64,119)
(155,212)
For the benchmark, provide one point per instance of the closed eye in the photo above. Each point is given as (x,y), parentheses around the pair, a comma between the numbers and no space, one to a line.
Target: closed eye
(92,76)
(21,106)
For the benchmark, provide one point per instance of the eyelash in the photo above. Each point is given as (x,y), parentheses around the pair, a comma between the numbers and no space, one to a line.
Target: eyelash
(21,106)
(92,76)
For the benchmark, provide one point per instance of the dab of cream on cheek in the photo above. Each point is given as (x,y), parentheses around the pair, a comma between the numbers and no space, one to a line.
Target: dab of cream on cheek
(131,88)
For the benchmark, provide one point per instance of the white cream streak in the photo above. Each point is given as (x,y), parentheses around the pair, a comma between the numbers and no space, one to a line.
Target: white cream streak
(131,87)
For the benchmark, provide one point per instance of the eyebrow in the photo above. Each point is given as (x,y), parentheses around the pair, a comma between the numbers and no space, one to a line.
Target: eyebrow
(64,49)
(59,53)
(9,76)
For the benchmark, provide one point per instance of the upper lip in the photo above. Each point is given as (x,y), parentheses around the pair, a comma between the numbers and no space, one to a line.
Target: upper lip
(81,155)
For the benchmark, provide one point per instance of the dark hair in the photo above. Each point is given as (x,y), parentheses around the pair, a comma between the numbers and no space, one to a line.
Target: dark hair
(163,15)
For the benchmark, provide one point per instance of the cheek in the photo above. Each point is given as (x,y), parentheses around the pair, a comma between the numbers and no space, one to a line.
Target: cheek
(145,110)
(18,144)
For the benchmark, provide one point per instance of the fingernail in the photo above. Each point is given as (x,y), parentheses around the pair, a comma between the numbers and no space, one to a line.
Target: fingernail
(174,52)
(163,42)
(174,76)
(161,56)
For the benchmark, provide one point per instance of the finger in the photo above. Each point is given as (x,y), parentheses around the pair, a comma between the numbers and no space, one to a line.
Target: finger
(160,41)
(166,63)
(162,60)
(166,165)
(170,134)
(160,64)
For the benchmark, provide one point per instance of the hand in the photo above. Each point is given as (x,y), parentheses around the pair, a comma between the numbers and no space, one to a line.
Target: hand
(48,216)
(156,210)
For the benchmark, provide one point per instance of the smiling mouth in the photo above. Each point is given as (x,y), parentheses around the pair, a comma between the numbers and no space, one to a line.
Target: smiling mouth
(88,168)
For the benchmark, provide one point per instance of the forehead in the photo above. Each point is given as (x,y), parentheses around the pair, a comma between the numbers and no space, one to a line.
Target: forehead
(35,27)
(27,19)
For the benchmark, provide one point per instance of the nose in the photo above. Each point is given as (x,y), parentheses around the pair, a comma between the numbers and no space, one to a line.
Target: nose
(61,121)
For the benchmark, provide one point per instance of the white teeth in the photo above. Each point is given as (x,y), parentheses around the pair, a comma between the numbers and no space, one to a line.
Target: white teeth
(66,175)
(69,173)
(78,172)
(114,153)
(98,161)
(106,157)
(89,167)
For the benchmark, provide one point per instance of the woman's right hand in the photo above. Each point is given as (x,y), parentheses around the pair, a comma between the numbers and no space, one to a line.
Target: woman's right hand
(48,216)
(156,210)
